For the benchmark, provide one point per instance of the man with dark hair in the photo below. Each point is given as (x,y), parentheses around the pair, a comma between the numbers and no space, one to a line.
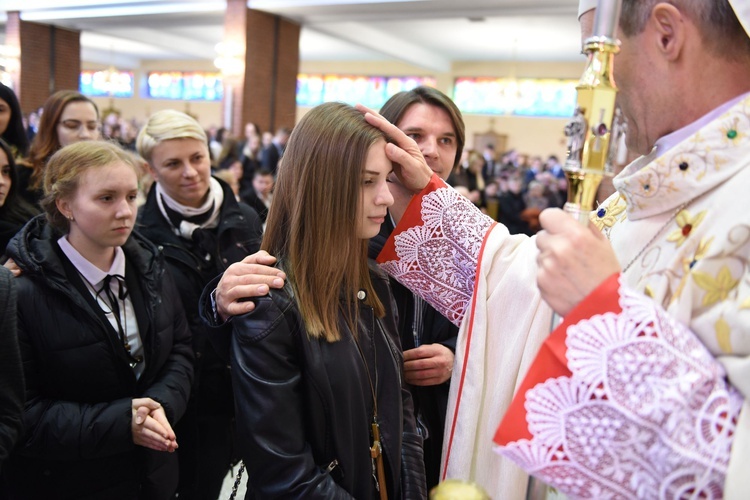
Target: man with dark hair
(428,339)
(258,195)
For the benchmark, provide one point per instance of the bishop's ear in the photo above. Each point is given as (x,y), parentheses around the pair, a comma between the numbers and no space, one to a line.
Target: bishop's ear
(668,26)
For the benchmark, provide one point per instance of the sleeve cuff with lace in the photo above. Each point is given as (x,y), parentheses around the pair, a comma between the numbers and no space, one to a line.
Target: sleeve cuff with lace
(623,401)
(434,250)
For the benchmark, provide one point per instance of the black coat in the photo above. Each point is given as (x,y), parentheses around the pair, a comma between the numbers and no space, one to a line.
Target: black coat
(430,402)
(11,369)
(510,206)
(79,384)
(237,235)
(305,406)
(250,197)
(206,450)
(270,157)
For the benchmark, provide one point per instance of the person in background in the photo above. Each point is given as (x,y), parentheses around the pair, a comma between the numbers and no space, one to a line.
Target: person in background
(12,130)
(322,408)
(215,141)
(490,169)
(250,161)
(229,176)
(249,152)
(535,201)
(68,117)
(271,155)
(201,229)
(260,195)
(511,205)
(465,179)
(104,340)
(228,154)
(32,125)
(14,210)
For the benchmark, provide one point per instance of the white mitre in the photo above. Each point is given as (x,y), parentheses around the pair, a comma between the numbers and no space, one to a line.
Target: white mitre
(742,11)
(585,6)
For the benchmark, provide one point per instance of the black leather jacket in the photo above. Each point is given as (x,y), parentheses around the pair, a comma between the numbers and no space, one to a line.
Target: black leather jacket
(304,406)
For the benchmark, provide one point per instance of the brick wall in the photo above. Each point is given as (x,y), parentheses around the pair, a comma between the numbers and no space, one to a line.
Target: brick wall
(266,93)
(50,60)
(286,75)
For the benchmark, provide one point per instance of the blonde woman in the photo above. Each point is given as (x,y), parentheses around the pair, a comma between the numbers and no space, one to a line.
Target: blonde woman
(201,229)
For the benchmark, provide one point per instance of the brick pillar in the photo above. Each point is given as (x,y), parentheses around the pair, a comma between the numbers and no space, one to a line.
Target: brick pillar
(266,92)
(50,59)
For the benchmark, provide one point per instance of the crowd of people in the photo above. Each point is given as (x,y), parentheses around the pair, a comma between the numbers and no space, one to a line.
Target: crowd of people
(511,188)
(155,333)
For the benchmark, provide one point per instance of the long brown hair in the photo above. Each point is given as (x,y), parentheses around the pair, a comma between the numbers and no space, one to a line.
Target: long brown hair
(46,142)
(312,222)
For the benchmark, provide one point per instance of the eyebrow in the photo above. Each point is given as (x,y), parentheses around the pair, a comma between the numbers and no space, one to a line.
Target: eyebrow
(419,129)
(372,172)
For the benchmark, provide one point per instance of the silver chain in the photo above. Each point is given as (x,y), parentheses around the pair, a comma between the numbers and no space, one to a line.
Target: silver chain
(237,481)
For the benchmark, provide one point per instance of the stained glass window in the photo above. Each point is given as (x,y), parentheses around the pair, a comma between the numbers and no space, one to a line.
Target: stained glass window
(189,86)
(106,83)
(541,97)
(372,91)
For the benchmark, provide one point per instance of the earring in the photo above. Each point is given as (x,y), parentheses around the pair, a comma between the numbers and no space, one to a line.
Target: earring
(70,218)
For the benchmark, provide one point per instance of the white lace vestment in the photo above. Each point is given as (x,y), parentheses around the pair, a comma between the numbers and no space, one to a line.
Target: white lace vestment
(696,271)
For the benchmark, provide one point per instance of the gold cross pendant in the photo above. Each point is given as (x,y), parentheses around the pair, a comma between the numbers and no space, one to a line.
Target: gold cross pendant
(376,452)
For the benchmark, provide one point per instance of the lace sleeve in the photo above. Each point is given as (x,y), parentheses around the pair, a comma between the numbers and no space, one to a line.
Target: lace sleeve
(434,250)
(640,408)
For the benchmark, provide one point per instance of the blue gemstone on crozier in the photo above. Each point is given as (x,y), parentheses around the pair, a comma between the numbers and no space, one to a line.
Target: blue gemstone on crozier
(601,213)
(684,166)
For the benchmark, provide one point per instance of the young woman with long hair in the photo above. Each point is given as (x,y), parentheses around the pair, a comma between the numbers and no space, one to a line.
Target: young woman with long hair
(14,210)
(68,117)
(317,369)
(104,339)
(12,130)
